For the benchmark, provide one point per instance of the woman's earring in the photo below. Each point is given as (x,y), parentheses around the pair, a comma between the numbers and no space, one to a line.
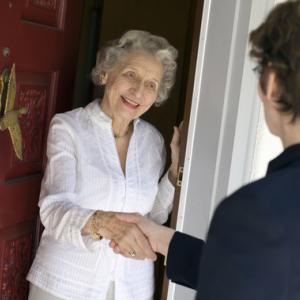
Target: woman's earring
(103,78)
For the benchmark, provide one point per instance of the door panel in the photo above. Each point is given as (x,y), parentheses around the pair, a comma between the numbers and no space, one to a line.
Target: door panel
(33,92)
(15,247)
(48,13)
(42,39)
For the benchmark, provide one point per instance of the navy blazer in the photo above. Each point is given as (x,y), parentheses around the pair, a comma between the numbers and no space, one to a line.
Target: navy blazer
(253,243)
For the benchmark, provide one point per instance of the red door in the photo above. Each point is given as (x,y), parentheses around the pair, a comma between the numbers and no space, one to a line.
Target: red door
(41,37)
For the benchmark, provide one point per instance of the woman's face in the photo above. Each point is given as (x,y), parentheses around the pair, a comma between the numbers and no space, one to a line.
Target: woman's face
(132,86)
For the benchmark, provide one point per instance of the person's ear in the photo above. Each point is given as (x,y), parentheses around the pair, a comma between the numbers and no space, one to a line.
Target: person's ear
(272,87)
(103,78)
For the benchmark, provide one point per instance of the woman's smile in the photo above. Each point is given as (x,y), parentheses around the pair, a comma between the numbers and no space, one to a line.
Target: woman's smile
(129,103)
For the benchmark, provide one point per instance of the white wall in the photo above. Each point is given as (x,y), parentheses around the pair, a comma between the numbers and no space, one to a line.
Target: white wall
(246,163)
(224,117)
(266,146)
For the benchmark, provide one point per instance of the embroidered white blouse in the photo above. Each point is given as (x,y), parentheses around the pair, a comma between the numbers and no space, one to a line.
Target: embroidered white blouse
(84,174)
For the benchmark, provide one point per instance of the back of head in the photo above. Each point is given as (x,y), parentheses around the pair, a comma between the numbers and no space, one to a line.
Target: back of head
(137,40)
(275,45)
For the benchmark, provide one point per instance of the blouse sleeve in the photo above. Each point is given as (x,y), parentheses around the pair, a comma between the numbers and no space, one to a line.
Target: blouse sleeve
(164,198)
(60,213)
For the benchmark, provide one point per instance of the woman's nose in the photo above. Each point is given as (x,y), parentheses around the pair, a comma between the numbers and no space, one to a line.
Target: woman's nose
(138,89)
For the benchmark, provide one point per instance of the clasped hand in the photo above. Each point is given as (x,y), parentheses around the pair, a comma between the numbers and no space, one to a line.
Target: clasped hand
(158,236)
(131,234)
(126,236)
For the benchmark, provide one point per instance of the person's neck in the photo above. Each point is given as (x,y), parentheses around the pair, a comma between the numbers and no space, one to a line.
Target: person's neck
(290,133)
(121,127)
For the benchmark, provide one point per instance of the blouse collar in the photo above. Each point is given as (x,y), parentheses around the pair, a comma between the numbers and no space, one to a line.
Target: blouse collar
(100,117)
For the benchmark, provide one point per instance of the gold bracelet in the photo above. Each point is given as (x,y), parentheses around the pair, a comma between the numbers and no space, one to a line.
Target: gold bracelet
(96,235)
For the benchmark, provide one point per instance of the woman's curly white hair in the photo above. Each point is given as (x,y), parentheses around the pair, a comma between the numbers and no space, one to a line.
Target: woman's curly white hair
(137,40)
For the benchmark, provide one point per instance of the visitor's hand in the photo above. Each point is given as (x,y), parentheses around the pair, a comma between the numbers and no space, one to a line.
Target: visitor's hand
(159,236)
(175,148)
(130,240)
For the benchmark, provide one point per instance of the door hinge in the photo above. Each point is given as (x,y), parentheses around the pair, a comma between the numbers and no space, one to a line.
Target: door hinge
(179,176)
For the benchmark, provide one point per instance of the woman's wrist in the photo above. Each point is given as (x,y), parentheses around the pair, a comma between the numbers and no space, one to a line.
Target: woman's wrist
(95,225)
(87,229)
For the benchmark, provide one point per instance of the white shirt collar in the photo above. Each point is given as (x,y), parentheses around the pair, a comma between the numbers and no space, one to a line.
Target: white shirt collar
(99,116)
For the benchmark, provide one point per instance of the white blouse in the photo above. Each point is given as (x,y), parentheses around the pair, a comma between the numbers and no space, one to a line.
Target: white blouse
(84,174)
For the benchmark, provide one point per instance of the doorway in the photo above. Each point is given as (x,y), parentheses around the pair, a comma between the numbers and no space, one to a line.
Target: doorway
(178,21)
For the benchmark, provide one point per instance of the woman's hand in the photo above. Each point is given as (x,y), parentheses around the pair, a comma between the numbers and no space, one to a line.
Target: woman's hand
(131,241)
(159,236)
(175,148)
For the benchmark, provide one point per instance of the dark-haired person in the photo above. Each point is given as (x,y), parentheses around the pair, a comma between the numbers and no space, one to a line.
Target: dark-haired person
(253,244)
(103,159)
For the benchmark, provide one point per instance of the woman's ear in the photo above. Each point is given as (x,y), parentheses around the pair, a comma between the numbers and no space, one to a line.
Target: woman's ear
(272,87)
(103,78)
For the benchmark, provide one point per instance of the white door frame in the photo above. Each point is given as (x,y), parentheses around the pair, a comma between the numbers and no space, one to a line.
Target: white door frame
(224,114)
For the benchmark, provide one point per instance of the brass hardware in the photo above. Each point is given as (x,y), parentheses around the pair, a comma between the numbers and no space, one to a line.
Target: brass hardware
(1,89)
(9,120)
(4,78)
(179,176)
(5,51)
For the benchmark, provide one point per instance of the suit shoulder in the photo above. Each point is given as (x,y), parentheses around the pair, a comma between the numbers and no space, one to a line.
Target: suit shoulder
(269,194)
(272,187)
(248,200)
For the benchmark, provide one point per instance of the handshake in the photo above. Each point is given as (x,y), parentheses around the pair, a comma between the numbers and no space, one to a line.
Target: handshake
(131,235)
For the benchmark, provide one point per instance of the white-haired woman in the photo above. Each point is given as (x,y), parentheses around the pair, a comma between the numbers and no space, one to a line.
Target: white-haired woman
(104,159)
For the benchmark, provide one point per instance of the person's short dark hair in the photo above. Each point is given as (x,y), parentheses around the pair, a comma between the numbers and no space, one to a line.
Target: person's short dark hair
(275,45)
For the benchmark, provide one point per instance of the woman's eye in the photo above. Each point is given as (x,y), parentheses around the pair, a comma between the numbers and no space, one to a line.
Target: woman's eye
(152,85)
(131,75)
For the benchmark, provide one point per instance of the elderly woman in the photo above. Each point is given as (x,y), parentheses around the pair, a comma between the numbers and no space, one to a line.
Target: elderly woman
(104,159)
(253,244)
